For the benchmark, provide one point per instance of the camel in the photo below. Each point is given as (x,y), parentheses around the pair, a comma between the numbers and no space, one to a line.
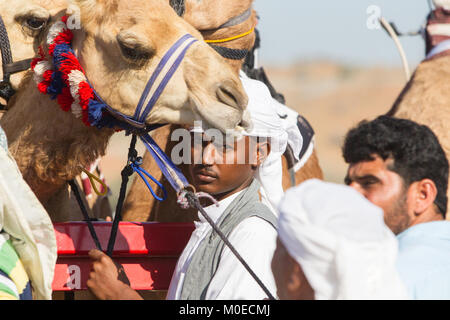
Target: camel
(25,22)
(51,146)
(207,16)
(426,97)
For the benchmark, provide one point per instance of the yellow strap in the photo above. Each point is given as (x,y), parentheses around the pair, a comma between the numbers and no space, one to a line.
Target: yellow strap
(92,178)
(231,38)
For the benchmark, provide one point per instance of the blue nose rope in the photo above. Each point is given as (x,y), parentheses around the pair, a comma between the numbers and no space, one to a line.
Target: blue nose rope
(142,173)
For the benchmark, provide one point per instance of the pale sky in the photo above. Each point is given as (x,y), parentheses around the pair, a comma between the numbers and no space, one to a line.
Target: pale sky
(337,30)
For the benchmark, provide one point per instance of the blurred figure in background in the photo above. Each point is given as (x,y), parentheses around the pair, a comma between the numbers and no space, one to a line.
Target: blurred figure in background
(400,166)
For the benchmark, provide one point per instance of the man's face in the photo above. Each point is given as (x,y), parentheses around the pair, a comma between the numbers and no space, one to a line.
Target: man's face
(220,172)
(384,188)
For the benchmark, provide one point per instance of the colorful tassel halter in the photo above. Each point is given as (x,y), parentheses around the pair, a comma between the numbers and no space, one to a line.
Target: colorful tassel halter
(60,75)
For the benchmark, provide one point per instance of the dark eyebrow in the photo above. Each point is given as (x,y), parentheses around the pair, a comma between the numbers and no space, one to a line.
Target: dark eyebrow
(361,179)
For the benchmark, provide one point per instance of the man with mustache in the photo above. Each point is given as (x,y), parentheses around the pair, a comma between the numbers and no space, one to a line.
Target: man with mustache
(234,172)
(400,166)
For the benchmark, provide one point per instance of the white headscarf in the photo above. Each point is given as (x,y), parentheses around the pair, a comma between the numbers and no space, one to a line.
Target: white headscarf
(340,241)
(266,123)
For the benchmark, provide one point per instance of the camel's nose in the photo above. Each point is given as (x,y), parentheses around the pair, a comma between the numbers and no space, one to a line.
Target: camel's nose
(232,94)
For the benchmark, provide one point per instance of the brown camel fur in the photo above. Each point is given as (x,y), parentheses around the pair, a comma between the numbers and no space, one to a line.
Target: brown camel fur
(50,146)
(205,15)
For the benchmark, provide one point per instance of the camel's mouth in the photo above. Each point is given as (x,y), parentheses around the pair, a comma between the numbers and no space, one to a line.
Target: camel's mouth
(218,115)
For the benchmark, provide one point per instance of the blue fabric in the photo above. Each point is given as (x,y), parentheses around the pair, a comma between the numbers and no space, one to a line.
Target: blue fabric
(424,260)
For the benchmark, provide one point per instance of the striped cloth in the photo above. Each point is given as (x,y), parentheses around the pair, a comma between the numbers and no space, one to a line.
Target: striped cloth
(438,28)
(14,281)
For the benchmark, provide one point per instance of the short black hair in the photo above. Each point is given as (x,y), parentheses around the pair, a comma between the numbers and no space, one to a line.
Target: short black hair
(415,149)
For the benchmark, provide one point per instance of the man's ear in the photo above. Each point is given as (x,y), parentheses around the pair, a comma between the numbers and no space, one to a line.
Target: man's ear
(424,194)
(262,151)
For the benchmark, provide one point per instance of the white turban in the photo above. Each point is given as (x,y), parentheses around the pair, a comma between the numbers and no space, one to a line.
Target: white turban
(340,241)
(265,122)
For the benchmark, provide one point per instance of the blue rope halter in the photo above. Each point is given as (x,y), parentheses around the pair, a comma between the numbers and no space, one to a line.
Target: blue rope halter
(136,124)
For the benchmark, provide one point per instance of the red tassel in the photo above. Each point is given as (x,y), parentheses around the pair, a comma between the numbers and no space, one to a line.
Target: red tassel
(43,86)
(51,49)
(70,63)
(48,76)
(85,92)
(65,99)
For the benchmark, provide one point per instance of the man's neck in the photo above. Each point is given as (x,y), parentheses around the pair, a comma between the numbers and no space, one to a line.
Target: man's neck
(227,194)
(430,215)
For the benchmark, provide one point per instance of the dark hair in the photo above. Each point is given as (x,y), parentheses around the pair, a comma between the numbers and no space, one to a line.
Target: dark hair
(415,149)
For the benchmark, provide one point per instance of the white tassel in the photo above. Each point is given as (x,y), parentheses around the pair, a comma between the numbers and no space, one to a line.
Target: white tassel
(39,70)
(54,31)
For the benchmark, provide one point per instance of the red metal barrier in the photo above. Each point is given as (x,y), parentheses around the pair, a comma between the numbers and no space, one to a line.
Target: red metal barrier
(147,251)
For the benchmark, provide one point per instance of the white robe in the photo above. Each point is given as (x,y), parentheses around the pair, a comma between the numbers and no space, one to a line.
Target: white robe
(254,239)
(30,229)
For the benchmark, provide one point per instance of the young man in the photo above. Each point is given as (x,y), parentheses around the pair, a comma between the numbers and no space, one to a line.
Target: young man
(227,170)
(334,245)
(400,166)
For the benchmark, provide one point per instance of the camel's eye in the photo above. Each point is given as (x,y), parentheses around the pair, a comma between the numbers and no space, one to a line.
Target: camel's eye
(35,24)
(134,50)
(135,53)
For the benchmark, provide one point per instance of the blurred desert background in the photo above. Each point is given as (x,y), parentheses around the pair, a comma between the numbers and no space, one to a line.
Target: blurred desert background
(333,97)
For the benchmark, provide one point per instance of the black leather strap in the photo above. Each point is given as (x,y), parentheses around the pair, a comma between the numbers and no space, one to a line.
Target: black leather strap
(233,54)
(18,66)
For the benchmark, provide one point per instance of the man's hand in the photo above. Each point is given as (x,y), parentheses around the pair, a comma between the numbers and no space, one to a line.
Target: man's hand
(104,279)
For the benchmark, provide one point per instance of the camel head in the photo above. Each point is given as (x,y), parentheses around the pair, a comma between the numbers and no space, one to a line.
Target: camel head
(211,14)
(25,22)
(120,44)
(222,20)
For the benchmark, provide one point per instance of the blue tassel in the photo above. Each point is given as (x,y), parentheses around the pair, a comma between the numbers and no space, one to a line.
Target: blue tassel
(57,53)
(56,85)
(96,113)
